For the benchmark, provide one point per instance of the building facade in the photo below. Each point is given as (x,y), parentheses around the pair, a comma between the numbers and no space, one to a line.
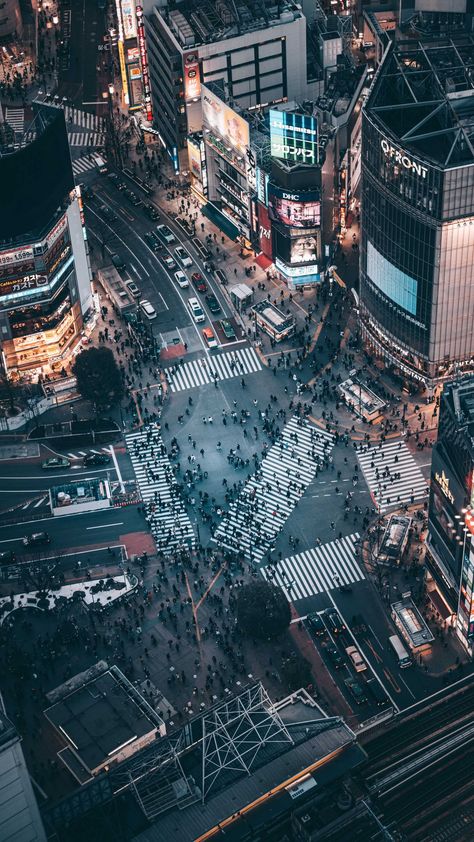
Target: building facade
(417,235)
(450,547)
(262,61)
(45,278)
(10,20)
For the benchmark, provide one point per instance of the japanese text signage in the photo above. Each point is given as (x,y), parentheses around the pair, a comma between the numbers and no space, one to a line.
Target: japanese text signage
(144,63)
(293,137)
(192,78)
(129,19)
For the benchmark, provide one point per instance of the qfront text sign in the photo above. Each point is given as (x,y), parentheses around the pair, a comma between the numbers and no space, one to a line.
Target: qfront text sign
(398,156)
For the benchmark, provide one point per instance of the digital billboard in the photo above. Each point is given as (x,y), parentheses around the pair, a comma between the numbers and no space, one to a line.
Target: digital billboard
(129,19)
(228,125)
(304,249)
(144,63)
(294,137)
(192,76)
(264,231)
(298,210)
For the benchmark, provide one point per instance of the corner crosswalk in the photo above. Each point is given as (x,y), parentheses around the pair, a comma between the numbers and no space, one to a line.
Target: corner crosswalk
(86,138)
(166,515)
(392,474)
(15,117)
(266,501)
(77,117)
(317,570)
(81,165)
(198,372)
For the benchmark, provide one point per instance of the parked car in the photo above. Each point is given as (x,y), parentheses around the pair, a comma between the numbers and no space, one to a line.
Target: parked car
(377,693)
(199,282)
(316,625)
(166,234)
(133,289)
(356,658)
(36,539)
(181,279)
(209,337)
(151,211)
(118,261)
(227,329)
(335,657)
(213,304)
(55,462)
(355,690)
(334,621)
(96,459)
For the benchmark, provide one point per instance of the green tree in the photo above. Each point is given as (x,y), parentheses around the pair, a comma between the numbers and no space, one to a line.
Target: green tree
(98,377)
(262,610)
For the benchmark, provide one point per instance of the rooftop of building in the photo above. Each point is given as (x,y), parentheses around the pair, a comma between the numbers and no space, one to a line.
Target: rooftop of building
(196,22)
(411,623)
(459,395)
(423,97)
(100,716)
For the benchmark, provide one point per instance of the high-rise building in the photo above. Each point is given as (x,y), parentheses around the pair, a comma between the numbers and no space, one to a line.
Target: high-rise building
(417,237)
(450,545)
(45,279)
(10,20)
(257,51)
(19,814)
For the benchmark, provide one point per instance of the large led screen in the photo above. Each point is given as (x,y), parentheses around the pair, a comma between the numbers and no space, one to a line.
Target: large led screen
(395,284)
(293,137)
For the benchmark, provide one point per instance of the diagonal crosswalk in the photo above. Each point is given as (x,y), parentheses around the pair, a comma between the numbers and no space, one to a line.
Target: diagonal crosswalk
(86,138)
(317,570)
(204,370)
(81,165)
(259,513)
(15,117)
(392,474)
(168,520)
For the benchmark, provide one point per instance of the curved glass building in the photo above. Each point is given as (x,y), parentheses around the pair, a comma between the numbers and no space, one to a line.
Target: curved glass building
(417,235)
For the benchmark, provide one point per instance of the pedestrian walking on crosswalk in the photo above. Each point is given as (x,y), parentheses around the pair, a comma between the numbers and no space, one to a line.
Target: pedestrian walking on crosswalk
(165,512)
(194,373)
(78,117)
(392,474)
(318,570)
(258,514)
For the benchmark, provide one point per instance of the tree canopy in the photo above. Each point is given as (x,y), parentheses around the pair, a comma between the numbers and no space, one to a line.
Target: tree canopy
(262,610)
(98,377)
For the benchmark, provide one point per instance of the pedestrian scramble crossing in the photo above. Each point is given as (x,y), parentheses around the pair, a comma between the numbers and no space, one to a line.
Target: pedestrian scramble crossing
(256,517)
(77,117)
(86,138)
(168,520)
(82,165)
(392,474)
(15,117)
(317,570)
(204,370)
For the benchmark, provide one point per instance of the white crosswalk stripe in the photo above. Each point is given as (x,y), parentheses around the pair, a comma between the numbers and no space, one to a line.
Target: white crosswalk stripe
(195,373)
(317,570)
(166,515)
(81,165)
(268,498)
(86,139)
(392,474)
(15,117)
(77,117)
(79,454)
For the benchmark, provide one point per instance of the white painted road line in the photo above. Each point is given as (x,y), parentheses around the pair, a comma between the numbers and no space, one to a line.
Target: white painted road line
(117,469)
(105,525)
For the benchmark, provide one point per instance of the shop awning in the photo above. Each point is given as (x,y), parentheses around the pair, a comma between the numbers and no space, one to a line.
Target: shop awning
(222,222)
(439,604)
(263,261)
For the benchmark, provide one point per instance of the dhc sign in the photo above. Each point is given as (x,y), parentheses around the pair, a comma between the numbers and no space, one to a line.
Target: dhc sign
(400,157)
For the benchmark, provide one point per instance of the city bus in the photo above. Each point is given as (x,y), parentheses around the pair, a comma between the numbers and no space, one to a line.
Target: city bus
(404,659)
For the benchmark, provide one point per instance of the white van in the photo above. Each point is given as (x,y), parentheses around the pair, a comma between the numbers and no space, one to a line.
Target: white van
(196,310)
(148,310)
(181,279)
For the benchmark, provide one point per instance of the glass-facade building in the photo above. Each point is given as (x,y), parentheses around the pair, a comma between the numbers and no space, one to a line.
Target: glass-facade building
(417,235)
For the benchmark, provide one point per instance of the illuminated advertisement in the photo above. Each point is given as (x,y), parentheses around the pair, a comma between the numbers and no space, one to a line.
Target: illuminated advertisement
(298,210)
(144,63)
(309,273)
(129,19)
(192,76)
(133,55)
(262,186)
(194,157)
(304,249)
(228,125)
(264,231)
(123,72)
(20,284)
(293,137)
(9,258)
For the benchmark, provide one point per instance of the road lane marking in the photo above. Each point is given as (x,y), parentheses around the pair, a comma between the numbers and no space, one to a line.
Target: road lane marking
(388,675)
(117,469)
(406,685)
(9,540)
(41,500)
(53,476)
(103,222)
(105,525)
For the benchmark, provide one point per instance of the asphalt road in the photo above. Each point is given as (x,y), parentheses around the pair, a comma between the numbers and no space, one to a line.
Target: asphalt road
(78,74)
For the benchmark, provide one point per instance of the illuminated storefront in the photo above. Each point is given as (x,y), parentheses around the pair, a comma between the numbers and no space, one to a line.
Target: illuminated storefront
(296,234)
(133,57)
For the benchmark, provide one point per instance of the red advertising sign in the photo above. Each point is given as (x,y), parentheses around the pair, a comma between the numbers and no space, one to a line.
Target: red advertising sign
(192,77)
(144,64)
(264,231)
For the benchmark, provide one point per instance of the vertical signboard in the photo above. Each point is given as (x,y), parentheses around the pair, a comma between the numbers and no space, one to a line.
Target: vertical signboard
(192,77)
(264,231)
(129,19)
(144,64)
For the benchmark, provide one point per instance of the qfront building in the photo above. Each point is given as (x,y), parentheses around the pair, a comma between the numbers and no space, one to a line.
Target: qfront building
(417,237)
(45,286)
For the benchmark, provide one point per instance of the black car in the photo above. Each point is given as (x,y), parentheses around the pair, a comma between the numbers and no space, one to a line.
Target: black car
(377,693)
(334,621)
(96,459)
(7,557)
(335,657)
(151,211)
(316,625)
(356,691)
(36,539)
(213,304)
